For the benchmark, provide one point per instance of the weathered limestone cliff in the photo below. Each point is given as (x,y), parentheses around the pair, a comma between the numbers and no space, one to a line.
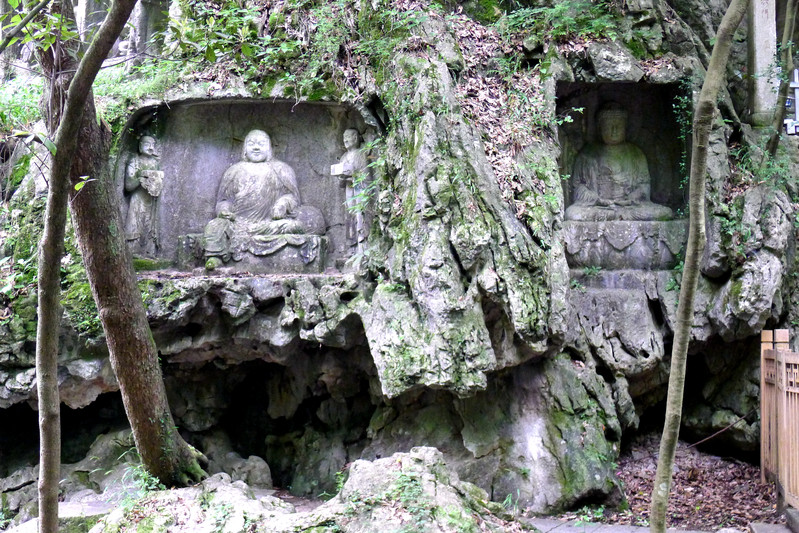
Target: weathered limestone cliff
(477,318)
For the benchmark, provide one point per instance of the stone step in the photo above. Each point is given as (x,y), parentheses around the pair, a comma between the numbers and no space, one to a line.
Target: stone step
(760,527)
(792,517)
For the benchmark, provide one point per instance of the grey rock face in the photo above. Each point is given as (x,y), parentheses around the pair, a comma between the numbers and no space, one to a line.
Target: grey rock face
(751,298)
(612,62)
(463,327)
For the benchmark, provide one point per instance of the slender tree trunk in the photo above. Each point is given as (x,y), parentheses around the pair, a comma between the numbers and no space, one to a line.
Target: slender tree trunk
(82,151)
(703,121)
(49,291)
(133,353)
(49,319)
(786,64)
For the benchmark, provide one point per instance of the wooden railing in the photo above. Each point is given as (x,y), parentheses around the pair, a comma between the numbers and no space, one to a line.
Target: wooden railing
(779,414)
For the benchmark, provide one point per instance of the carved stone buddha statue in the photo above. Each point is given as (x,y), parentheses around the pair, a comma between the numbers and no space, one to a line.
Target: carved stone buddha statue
(258,208)
(611,180)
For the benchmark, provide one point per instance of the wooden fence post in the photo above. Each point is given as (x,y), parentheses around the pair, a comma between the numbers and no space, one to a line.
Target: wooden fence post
(766,343)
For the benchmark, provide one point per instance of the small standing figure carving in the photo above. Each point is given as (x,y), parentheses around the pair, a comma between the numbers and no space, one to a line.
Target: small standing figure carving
(353,170)
(144,181)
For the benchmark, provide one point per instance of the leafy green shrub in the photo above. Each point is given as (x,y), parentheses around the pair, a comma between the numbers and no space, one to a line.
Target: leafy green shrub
(19,103)
(218,31)
(563,21)
(115,90)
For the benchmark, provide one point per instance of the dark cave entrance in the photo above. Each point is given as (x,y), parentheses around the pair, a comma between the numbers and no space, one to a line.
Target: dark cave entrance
(19,440)
(710,411)
(285,428)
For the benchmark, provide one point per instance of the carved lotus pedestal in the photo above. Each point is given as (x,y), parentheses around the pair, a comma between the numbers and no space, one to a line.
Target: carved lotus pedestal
(279,254)
(295,254)
(624,245)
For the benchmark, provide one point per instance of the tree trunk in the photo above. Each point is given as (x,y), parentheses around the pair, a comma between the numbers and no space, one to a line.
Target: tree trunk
(51,250)
(133,353)
(703,121)
(786,64)
(82,147)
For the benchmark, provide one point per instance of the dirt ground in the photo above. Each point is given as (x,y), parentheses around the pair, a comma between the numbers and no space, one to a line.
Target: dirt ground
(708,492)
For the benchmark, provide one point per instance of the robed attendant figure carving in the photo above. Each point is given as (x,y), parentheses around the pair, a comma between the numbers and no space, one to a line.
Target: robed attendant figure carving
(258,208)
(352,169)
(611,180)
(144,181)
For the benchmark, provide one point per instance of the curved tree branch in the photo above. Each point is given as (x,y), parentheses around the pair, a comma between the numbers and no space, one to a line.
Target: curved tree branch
(16,30)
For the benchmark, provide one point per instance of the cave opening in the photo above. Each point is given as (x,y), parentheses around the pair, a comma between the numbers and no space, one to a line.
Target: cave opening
(19,447)
(720,402)
(307,418)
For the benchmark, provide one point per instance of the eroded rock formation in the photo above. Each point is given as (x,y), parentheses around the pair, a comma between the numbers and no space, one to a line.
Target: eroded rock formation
(473,318)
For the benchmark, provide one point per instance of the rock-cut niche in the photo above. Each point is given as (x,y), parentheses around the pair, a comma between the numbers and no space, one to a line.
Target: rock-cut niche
(245,185)
(621,152)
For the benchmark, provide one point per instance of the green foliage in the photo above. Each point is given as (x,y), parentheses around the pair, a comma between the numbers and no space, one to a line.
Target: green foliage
(460,521)
(364,187)
(144,264)
(751,167)
(683,107)
(142,480)
(19,103)
(563,21)
(220,515)
(20,275)
(483,11)
(217,31)
(576,285)
(673,283)
(592,271)
(341,478)
(303,45)
(5,513)
(44,30)
(117,92)
(407,490)
(22,228)
(19,172)
(79,304)
(511,503)
(588,514)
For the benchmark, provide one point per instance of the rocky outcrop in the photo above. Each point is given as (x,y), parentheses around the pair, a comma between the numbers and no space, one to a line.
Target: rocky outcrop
(414,490)
(462,325)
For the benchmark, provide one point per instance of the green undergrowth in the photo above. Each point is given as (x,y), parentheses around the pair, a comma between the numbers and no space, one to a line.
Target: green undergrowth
(118,93)
(19,103)
(22,223)
(579,21)
(564,21)
(307,47)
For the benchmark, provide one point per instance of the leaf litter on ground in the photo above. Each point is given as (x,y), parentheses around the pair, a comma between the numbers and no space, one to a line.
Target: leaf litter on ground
(708,492)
